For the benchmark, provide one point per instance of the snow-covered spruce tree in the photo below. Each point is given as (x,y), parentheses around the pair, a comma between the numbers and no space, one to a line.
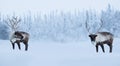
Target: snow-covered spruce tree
(111,20)
(4,34)
(116,22)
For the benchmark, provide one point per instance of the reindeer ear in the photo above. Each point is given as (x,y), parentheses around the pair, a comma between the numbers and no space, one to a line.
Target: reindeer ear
(95,35)
(89,35)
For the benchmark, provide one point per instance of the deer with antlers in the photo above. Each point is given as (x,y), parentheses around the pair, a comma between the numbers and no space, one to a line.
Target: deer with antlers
(100,38)
(17,36)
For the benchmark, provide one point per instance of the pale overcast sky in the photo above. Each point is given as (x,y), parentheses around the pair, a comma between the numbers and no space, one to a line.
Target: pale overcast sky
(47,5)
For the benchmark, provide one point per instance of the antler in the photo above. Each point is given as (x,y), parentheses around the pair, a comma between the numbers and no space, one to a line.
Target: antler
(100,25)
(13,23)
(86,24)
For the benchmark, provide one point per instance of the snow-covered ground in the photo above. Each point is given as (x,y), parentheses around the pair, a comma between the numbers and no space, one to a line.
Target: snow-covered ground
(47,53)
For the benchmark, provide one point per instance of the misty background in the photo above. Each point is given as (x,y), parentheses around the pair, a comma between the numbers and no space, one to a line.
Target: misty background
(60,20)
(63,26)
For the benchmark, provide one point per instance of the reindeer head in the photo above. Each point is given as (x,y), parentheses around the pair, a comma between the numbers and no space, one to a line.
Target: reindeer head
(92,37)
(18,35)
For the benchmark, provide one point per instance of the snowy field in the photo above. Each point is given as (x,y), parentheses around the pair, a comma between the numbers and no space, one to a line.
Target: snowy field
(43,53)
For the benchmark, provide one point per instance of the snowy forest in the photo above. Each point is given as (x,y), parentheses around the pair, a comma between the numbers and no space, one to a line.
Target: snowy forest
(63,26)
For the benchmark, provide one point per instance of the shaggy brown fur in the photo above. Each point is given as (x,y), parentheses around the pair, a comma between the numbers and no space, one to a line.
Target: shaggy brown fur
(23,37)
(108,41)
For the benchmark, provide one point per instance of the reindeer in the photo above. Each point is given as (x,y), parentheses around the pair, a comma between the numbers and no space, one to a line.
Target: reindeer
(101,38)
(17,36)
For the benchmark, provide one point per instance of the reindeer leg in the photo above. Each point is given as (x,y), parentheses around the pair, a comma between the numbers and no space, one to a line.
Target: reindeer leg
(96,47)
(26,45)
(102,47)
(110,45)
(110,48)
(19,46)
(13,46)
(18,43)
